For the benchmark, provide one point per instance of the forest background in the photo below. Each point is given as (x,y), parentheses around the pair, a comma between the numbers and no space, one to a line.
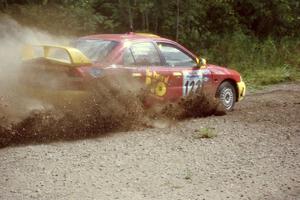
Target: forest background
(259,38)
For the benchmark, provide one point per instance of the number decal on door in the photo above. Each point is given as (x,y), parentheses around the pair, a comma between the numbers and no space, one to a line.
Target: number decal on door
(191,86)
(192,81)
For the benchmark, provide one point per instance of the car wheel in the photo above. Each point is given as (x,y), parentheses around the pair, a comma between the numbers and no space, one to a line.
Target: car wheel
(227,95)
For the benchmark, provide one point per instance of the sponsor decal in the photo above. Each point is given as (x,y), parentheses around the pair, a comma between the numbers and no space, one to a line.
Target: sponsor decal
(157,83)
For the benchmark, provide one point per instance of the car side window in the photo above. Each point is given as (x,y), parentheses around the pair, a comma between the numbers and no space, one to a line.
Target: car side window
(142,53)
(176,57)
(128,57)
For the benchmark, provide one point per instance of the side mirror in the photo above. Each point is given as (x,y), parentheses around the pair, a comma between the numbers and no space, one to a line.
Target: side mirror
(201,62)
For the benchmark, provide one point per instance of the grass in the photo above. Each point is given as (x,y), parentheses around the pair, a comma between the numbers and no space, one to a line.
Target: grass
(188,175)
(204,133)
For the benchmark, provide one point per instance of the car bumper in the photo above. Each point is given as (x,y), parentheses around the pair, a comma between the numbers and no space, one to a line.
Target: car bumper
(241,90)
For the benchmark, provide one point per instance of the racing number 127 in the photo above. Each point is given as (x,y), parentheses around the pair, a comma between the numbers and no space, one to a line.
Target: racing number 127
(191,86)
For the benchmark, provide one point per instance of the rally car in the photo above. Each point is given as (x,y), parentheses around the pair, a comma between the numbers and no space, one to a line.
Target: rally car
(169,70)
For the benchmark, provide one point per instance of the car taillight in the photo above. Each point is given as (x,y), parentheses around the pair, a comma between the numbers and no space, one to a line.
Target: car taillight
(76,80)
(76,72)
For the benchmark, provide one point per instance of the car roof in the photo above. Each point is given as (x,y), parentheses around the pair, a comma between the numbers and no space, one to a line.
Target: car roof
(135,36)
(126,36)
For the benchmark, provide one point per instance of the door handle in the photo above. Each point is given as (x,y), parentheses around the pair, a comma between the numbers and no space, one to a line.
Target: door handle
(177,74)
(136,74)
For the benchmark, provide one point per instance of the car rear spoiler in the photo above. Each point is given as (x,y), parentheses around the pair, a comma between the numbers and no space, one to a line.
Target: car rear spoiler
(74,56)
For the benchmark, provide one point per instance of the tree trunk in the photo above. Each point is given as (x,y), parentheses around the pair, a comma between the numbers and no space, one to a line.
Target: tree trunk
(130,17)
(147,20)
(156,24)
(4,4)
(177,21)
(143,20)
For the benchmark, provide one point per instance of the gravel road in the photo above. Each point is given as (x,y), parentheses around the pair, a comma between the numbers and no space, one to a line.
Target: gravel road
(254,155)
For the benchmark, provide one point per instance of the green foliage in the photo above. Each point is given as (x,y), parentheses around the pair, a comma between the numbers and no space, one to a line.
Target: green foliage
(198,18)
(204,133)
(56,18)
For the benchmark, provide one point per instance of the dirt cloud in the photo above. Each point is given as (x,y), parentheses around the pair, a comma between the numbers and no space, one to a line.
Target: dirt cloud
(13,37)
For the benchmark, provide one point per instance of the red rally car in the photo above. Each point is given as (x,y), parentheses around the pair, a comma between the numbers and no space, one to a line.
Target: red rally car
(167,68)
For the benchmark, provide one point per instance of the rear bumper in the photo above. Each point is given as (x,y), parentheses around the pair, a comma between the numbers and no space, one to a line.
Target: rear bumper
(241,90)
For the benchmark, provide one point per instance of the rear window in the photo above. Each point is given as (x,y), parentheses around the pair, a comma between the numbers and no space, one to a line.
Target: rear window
(96,50)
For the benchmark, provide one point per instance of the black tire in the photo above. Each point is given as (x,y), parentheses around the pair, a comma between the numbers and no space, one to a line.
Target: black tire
(227,95)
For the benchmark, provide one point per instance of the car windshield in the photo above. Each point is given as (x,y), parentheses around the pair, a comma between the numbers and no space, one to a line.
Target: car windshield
(96,50)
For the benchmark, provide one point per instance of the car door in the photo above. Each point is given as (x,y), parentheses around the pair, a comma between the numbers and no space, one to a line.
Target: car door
(146,61)
(188,76)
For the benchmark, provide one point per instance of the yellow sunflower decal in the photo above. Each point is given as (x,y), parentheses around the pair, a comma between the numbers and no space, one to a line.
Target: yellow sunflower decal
(160,89)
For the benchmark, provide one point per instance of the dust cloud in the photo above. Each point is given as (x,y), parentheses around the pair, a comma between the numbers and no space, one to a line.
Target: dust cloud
(14,106)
